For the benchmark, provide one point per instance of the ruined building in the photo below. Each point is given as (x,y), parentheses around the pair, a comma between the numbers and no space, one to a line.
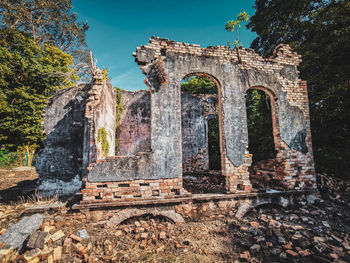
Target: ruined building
(133,147)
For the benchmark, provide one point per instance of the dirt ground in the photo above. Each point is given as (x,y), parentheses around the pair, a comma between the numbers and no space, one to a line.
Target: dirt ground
(317,233)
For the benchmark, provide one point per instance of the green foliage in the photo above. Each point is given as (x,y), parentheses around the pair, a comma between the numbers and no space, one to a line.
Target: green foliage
(29,74)
(7,158)
(235,25)
(102,138)
(214,144)
(320,32)
(120,109)
(199,85)
(103,77)
(259,121)
(47,22)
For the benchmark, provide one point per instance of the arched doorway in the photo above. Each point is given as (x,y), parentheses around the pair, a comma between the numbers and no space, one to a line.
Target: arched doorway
(200,123)
(263,138)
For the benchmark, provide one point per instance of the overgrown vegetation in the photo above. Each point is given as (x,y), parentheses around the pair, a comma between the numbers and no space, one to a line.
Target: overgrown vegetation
(199,85)
(234,26)
(42,50)
(320,31)
(259,121)
(102,139)
(29,74)
(120,109)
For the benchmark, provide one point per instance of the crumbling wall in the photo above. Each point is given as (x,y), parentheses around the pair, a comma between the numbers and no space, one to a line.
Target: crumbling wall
(166,63)
(135,123)
(104,118)
(59,163)
(158,173)
(100,114)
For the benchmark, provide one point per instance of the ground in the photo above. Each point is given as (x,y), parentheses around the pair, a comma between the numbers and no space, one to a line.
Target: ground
(316,233)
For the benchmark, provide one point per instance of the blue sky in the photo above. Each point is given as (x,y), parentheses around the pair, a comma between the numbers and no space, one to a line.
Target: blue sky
(118,27)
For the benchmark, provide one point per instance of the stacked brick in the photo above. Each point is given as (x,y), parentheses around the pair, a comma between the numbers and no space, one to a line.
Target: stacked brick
(132,190)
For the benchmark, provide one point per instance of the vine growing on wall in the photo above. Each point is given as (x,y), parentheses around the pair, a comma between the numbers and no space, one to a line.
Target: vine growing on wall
(103,77)
(102,138)
(120,109)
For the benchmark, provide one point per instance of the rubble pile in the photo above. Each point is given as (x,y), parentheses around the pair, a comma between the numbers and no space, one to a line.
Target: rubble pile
(205,182)
(334,189)
(309,234)
(320,232)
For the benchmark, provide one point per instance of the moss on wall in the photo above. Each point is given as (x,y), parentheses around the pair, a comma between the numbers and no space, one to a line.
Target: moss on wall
(120,109)
(102,138)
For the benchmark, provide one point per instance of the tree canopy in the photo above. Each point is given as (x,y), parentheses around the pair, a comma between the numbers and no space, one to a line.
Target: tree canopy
(48,22)
(319,30)
(29,74)
(199,85)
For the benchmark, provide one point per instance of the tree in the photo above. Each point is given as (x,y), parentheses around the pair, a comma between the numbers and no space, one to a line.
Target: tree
(320,32)
(235,25)
(29,74)
(48,22)
(199,85)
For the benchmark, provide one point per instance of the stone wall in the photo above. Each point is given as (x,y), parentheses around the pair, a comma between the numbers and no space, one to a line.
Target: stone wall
(165,63)
(60,162)
(154,149)
(135,123)
(195,112)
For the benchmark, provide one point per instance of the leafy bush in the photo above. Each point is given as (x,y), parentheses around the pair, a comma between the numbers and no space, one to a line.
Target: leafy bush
(7,158)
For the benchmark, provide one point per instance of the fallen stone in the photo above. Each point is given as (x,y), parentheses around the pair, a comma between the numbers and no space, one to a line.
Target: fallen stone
(255,248)
(79,248)
(83,234)
(57,253)
(56,236)
(18,233)
(37,240)
(67,242)
(32,255)
(144,235)
(6,253)
(76,238)
(45,252)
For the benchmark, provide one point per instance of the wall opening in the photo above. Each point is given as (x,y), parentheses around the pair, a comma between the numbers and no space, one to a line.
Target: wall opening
(201,156)
(214,144)
(263,138)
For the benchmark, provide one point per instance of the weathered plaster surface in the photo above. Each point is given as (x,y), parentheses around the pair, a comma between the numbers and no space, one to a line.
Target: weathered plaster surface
(193,126)
(61,158)
(135,123)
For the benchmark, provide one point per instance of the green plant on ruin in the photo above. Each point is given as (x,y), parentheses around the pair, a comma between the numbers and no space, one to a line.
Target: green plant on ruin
(199,85)
(104,76)
(102,139)
(119,111)
(235,25)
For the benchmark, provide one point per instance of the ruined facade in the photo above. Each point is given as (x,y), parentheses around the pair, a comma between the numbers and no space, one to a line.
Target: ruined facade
(162,131)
